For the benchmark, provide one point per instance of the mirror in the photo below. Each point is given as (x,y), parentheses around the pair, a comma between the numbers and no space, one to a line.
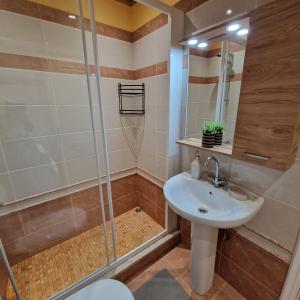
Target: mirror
(215,66)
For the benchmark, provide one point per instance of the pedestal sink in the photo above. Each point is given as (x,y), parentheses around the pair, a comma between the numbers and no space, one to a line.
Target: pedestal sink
(208,208)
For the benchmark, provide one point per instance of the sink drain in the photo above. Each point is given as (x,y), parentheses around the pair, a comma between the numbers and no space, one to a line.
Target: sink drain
(203,210)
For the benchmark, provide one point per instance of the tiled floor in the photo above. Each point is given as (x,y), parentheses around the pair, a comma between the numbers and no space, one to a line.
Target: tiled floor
(52,270)
(177,262)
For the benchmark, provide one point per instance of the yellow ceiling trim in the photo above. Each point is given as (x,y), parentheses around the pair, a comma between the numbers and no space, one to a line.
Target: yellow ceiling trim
(110,12)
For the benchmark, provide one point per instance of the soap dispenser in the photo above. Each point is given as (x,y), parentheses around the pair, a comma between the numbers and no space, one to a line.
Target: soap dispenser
(196,166)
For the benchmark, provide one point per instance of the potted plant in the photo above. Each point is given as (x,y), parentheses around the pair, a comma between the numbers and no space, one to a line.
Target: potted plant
(219,129)
(208,135)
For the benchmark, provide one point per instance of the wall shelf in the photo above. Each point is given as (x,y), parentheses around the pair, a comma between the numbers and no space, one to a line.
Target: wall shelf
(128,95)
(197,143)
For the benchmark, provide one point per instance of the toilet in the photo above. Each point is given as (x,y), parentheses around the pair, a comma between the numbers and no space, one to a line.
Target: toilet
(106,289)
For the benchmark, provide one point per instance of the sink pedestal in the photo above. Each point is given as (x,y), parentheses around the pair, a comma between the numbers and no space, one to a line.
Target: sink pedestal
(204,245)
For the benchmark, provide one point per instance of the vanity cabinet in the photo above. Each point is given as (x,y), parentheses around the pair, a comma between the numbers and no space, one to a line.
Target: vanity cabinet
(268,122)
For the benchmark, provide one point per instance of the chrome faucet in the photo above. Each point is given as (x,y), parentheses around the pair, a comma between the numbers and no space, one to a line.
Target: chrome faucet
(215,179)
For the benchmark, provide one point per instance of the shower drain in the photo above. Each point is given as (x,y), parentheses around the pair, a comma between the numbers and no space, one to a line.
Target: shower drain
(203,210)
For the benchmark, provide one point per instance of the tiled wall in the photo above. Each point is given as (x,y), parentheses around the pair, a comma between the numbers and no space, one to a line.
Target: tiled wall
(31,230)
(151,199)
(152,156)
(45,124)
(253,271)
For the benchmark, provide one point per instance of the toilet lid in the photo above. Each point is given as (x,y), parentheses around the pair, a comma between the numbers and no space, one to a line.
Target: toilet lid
(106,289)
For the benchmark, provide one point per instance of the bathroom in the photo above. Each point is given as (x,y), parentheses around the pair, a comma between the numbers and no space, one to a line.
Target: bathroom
(103,110)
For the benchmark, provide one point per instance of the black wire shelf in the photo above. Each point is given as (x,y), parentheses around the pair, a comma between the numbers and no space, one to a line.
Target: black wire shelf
(128,97)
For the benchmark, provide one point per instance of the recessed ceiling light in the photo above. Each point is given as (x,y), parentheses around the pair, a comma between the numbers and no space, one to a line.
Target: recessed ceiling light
(192,42)
(203,45)
(72,17)
(233,27)
(243,31)
(228,12)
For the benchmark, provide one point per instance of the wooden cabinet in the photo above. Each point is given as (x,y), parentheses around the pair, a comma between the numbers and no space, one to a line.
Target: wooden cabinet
(268,122)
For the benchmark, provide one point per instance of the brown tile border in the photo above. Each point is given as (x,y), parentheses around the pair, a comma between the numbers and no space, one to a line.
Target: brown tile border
(266,268)
(154,24)
(109,72)
(157,69)
(151,199)
(205,53)
(212,79)
(47,13)
(187,5)
(203,80)
(17,61)
(246,285)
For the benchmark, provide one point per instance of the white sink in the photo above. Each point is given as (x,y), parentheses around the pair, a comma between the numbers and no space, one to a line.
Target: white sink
(208,208)
(186,196)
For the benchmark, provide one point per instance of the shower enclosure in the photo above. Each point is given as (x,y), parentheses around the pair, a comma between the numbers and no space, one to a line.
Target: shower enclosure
(65,216)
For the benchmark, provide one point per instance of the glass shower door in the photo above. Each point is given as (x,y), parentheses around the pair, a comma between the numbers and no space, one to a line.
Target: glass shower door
(54,182)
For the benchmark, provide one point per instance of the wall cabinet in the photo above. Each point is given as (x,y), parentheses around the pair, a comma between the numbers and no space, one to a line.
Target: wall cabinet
(268,122)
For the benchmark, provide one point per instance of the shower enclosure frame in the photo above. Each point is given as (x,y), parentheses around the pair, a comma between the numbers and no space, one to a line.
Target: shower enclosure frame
(170,216)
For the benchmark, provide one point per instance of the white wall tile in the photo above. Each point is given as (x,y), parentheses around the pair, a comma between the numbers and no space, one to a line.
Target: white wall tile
(27,121)
(162,118)
(161,167)
(24,34)
(82,169)
(77,145)
(116,140)
(6,192)
(256,178)
(25,153)
(69,89)
(238,61)
(109,90)
(162,43)
(63,42)
(111,117)
(198,66)
(144,52)
(286,188)
(278,222)
(161,141)
(74,118)
(147,161)
(30,182)
(25,87)
(213,66)
(162,90)
(121,160)
(2,161)
(115,53)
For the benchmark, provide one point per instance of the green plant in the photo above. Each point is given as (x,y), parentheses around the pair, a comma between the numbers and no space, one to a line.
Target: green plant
(219,127)
(208,128)
(213,127)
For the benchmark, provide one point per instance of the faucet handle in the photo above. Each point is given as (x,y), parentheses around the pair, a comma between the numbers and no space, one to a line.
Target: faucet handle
(217,182)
